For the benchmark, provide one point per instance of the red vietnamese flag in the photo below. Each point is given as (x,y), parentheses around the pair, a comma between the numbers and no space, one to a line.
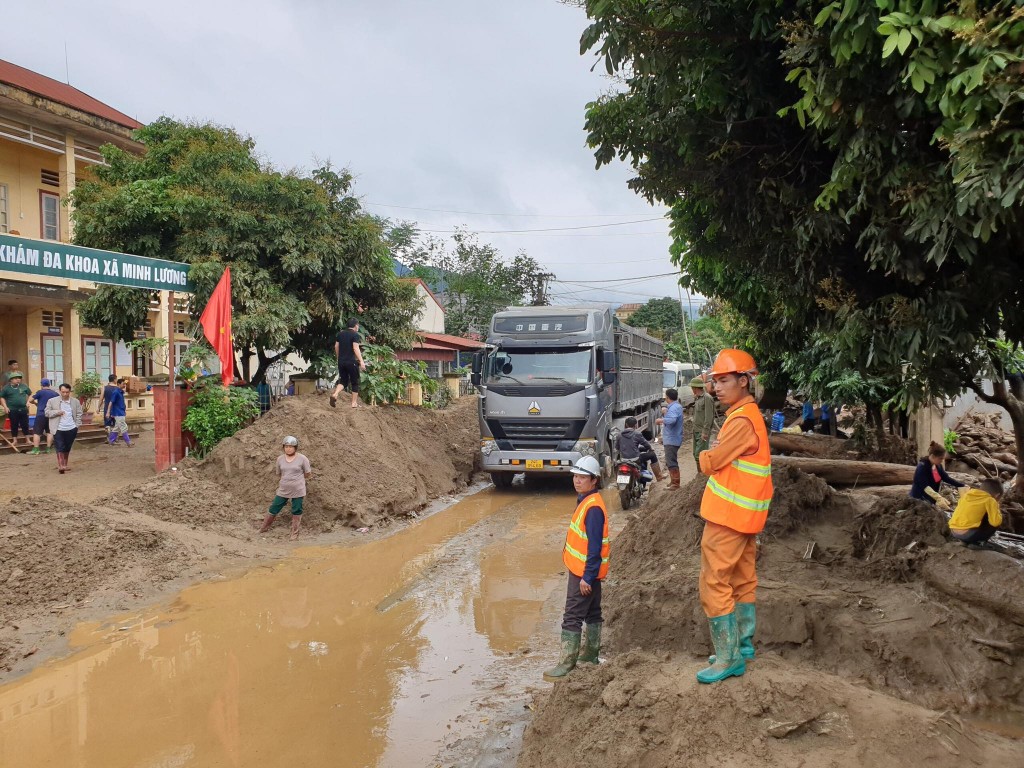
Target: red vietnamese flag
(216,322)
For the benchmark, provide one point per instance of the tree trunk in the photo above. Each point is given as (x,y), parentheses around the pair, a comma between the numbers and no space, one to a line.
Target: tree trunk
(246,355)
(264,364)
(1012,400)
(874,411)
(809,444)
(840,472)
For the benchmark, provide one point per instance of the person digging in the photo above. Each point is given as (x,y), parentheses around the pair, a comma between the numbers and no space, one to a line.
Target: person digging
(294,470)
(734,508)
(585,555)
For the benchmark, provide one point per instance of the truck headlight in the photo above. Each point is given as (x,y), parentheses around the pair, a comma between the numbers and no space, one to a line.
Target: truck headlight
(486,446)
(585,447)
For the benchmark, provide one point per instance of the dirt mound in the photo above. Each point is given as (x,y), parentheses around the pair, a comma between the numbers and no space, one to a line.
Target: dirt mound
(893,536)
(369,464)
(54,553)
(646,710)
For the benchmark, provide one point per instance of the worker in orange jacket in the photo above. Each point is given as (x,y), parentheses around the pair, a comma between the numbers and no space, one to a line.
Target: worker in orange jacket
(735,508)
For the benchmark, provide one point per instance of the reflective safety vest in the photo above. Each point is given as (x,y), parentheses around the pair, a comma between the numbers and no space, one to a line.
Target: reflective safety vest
(737,496)
(575,553)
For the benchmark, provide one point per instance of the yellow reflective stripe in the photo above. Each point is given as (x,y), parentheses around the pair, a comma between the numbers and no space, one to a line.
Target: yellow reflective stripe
(755,505)
(751,468)
(575,528)
(574,553)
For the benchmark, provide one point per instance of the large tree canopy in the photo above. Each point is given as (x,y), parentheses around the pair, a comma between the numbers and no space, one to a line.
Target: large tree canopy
(662,317)
(303,254)
(849,170)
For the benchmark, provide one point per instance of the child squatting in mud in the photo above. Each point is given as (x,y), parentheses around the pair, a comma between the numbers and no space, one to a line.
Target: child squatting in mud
(294,470)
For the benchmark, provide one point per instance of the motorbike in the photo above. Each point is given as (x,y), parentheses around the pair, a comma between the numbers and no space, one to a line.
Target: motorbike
(631,481)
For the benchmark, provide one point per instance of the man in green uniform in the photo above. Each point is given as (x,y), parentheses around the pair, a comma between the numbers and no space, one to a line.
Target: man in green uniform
(14,399)
(703,416)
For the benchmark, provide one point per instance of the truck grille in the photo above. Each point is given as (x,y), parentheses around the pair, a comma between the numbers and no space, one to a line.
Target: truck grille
(535,433)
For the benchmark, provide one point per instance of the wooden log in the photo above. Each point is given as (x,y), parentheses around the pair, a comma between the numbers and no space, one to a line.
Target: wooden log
(815,445)
(840,472)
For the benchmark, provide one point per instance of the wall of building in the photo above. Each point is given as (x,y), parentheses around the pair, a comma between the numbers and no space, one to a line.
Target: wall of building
(21,168)
(431,317)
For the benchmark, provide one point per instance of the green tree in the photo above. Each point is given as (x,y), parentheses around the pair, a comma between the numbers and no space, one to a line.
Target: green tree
(848,170)
(474,281)
(707,337)
(303,254)
(661,317)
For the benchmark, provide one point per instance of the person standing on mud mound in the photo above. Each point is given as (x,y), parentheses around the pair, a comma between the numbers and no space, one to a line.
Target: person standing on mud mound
(350,362)
(672,435)
(586,557)
(735,508)
(703,416)
(294,470)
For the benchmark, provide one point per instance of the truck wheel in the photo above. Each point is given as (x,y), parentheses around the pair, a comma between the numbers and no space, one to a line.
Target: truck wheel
(502,479)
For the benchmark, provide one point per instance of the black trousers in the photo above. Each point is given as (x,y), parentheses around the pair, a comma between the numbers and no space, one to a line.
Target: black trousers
(64,439)
(580,608)
(977,535)
(645,457)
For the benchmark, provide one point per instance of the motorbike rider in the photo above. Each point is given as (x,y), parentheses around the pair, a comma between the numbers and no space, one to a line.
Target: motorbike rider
(633,445)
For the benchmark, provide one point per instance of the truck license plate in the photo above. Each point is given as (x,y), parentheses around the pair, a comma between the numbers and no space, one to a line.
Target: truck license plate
(622,480)
(535,463)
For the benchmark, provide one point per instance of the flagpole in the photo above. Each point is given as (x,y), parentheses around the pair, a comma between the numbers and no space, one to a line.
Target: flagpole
(172,443)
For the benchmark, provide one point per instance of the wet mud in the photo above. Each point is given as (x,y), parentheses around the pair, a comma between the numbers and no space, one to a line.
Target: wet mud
(411,646)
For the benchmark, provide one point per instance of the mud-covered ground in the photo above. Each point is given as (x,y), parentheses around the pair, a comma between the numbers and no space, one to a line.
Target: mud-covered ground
(878,639)
(110,535)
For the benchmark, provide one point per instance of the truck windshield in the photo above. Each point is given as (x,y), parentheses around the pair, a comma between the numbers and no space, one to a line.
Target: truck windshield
(669,379)
(524,365)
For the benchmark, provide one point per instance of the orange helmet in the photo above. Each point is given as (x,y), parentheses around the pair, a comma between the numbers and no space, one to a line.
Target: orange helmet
(733,361)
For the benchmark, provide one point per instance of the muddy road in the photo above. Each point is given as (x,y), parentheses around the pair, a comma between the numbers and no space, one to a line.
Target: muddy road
(420,648)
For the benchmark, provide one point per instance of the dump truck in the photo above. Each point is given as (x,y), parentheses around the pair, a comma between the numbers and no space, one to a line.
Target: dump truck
(557,383)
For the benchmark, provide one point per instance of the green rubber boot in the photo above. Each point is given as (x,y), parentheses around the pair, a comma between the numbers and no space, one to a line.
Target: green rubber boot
(746,622)
(570,653)
(591,644)
(728,662)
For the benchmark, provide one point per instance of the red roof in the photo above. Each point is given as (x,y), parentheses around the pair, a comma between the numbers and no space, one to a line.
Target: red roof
(455,342)
(40,85)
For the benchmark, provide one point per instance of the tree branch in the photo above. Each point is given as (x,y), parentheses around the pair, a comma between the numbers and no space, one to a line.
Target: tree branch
(976,386)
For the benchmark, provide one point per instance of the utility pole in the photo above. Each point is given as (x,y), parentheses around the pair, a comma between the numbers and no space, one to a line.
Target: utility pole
(540,293)
(686,321)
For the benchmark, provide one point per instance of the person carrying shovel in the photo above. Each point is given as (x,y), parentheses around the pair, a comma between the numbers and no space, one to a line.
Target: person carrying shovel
(734,508)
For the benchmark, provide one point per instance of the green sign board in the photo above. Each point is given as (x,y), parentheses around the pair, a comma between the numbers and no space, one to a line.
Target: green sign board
(43,257)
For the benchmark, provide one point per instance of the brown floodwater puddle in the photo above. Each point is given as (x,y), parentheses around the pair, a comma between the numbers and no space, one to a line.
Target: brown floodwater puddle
(353,656)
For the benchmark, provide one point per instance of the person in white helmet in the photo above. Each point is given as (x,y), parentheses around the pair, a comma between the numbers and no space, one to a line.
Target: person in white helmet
(585,555)
(294,470)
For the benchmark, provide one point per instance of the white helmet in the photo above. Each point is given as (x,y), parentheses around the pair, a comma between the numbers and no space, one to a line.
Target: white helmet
(587,466)
(290,441)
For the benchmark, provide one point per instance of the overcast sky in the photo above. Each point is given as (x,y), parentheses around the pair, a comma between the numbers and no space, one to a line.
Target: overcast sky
(457,105)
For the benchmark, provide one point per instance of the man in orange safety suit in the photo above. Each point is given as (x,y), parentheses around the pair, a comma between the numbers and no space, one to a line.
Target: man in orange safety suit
(735,508)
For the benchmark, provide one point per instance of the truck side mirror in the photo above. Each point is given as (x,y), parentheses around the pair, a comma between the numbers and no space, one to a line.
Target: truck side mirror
(477,367)
(608,366)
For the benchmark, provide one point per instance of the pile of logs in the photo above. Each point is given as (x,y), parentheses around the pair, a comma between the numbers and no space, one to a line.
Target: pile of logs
(982,444)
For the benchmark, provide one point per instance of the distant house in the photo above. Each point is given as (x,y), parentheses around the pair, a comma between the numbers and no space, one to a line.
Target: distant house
(626,311)
(431,316)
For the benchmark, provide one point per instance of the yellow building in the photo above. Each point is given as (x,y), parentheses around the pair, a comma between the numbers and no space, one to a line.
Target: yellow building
(50,135)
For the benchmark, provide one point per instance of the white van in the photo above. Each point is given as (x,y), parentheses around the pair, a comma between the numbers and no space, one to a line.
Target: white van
(677,375)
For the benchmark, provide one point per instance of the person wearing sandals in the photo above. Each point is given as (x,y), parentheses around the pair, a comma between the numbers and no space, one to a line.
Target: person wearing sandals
(65,415)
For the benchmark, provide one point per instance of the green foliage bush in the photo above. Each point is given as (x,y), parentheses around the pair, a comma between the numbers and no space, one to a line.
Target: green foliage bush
(217,412)
(386,377)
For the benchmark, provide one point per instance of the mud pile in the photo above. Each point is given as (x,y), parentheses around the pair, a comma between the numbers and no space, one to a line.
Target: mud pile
(54,553)
(369,464)
(853,589)
(647,710)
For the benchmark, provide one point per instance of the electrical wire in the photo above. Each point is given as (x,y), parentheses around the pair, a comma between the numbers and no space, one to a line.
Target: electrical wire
(619,279)
(511,215)
(548,229)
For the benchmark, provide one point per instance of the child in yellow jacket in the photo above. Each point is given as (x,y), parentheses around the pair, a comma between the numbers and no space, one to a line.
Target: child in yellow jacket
(977,515)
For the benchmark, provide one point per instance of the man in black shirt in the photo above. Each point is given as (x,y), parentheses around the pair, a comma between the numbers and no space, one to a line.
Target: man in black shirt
(350,362)
(633,445)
